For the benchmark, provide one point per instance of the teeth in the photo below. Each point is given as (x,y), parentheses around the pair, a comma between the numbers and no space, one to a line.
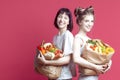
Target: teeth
(61,23)
(88,27)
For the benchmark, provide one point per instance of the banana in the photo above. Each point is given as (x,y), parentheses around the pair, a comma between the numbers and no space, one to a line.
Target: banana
(100,43)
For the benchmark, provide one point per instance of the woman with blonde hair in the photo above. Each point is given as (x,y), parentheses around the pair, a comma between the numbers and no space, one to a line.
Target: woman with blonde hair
(85,20)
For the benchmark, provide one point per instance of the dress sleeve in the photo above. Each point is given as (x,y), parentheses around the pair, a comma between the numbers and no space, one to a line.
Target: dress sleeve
(67,44)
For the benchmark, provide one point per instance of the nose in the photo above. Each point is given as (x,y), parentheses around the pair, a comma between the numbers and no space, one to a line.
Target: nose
(62,19)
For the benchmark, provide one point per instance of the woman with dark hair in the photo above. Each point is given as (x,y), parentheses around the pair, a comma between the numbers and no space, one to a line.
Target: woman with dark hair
(68,13)
(64,41)
(85,21)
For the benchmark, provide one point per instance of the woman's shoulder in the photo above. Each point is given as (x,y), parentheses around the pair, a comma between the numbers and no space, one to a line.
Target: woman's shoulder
(77,36)
(68,33)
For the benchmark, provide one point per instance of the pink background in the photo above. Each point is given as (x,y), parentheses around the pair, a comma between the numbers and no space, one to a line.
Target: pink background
(25,23)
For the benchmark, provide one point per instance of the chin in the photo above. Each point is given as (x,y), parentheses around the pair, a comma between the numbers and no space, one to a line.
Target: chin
(60,26)
(88,30)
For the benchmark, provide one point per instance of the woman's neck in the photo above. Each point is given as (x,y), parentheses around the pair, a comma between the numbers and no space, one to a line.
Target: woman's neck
(81,32)
(62,30)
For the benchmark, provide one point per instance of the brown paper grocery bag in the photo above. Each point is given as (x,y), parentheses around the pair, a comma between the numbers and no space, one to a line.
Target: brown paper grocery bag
(52,72)
(93,57)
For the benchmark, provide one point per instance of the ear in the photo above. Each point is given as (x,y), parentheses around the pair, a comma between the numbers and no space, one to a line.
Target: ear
(68,22)
(79,22)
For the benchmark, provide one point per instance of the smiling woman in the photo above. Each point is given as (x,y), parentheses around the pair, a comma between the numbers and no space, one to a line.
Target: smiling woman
(62,20)
(63,41)
(85,21)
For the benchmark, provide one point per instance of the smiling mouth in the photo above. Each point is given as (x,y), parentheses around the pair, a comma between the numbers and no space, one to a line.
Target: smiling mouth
(61,23)
(88,27)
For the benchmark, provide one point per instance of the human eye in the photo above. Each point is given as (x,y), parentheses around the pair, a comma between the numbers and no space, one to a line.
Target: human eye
(66,18)
(86,20)
(92,21)
(59,16)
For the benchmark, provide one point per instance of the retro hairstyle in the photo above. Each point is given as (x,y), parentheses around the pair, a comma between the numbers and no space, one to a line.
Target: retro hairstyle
(67,11)
(81,12)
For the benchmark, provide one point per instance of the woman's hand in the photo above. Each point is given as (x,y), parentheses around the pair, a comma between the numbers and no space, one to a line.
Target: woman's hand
(108,65)
(41,59)
(100,69)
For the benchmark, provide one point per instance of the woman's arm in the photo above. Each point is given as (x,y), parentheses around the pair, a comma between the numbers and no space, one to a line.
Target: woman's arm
(61,61)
